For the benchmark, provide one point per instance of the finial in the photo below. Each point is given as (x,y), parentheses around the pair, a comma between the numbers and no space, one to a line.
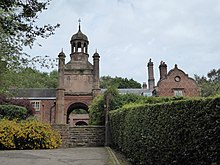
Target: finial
(96,50)
(62,50)
(79,20)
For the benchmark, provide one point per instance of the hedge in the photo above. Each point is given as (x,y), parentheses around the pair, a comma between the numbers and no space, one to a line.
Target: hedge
(27,134)
(180,132)
(13,112)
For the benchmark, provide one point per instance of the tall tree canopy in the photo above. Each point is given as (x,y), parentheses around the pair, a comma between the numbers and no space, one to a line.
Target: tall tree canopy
(210,85)
(118,82)
(18,29)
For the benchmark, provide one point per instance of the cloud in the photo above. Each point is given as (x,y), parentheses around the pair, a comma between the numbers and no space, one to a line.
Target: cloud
(127,33)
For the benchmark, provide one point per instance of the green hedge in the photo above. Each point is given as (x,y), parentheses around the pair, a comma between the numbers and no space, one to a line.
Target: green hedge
(180,132)
(12,112)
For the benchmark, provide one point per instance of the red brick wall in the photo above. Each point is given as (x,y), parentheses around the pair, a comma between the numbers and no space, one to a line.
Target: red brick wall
(167,85)
(46,107)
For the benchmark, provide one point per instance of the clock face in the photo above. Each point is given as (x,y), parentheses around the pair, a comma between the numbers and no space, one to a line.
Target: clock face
(177,79)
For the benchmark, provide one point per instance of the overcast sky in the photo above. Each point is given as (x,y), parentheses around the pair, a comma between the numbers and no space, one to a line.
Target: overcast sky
(127,33)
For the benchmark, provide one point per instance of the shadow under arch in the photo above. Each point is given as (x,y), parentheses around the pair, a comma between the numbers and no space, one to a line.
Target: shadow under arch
(81,123)
(74,106)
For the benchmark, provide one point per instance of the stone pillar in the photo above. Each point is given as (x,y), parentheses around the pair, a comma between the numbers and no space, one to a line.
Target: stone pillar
(163,69)
(96,81)
(151,81)
(60,119)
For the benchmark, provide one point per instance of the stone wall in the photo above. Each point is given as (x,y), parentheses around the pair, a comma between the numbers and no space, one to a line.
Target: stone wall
(81,136)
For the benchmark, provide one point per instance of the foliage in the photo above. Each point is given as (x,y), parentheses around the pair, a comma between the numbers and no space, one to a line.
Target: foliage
(176,132)
(79,111)
(12,112)
(18,28)
(209,85)
(97,111)
(28,134)
(97,107)
(19,102)
(30,78)
(118,82)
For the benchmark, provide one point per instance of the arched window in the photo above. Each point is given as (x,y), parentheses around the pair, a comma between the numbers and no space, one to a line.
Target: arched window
(79,48)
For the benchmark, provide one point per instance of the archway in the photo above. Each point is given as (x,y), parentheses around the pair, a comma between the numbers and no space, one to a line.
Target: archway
(75,106)
(81,123)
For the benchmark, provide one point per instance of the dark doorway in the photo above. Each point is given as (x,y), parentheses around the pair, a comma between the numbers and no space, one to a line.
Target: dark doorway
(81,123)
(75,108)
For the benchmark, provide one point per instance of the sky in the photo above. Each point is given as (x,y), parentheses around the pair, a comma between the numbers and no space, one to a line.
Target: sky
(127,33)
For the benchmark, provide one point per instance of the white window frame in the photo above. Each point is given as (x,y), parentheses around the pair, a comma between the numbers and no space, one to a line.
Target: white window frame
(178,92)
(36,104)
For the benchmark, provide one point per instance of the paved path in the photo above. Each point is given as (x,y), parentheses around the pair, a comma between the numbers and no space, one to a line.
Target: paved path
(71,156)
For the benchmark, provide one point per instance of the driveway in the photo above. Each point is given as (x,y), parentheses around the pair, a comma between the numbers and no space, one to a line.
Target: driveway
(70,156)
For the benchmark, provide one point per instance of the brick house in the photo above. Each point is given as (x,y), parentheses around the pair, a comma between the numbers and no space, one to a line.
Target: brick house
(174,83)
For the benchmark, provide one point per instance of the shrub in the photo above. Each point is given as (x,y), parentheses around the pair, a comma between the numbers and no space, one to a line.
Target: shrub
(19,102)
(12,112)
(178,132)
(28,134)
(97,107)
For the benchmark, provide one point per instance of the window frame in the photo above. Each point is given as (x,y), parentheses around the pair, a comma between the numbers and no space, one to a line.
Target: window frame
(36,105)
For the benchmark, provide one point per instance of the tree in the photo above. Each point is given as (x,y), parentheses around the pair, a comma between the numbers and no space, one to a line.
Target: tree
(29,78)
(209,85)
(118,82)
(18,29)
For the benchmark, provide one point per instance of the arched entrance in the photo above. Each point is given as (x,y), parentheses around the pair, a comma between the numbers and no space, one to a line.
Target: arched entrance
(81,123)
(79,110)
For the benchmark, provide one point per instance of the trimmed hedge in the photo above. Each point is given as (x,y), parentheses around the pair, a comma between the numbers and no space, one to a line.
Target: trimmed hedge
(28,134)
(13,112)
(180,132)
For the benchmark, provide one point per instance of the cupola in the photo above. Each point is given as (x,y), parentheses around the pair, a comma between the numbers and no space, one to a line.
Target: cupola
(79,42)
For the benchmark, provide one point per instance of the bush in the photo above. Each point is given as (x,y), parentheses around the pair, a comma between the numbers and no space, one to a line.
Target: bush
(28,134)
(178,132)
(12,112)
(97,110)
(19,102)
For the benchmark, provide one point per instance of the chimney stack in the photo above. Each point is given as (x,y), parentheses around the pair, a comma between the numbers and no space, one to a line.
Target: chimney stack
(151,82)
(163,69)
(144,86)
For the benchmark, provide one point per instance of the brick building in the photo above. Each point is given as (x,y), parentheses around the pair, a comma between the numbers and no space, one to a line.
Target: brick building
(78,84)
(173,83)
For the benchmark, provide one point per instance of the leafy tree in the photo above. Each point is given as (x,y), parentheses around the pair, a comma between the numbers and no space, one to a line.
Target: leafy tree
(209,85)
(18,28)
(118,82)
(29,78)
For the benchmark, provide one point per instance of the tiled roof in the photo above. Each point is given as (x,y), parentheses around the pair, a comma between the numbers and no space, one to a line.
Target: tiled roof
(51,92)
(34,92)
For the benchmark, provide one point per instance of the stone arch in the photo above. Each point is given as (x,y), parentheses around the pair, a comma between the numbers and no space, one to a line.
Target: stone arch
(74,106)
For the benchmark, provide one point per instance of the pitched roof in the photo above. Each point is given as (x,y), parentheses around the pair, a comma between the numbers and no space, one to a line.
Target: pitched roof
(46,93)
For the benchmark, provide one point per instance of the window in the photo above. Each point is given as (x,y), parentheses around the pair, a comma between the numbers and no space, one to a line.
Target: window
(178,93)
(36,105)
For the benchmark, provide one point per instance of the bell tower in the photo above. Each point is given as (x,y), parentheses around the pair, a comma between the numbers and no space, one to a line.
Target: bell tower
(78,79)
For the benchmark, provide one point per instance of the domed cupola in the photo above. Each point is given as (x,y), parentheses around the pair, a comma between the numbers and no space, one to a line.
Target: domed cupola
(79,42)
(79,36)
